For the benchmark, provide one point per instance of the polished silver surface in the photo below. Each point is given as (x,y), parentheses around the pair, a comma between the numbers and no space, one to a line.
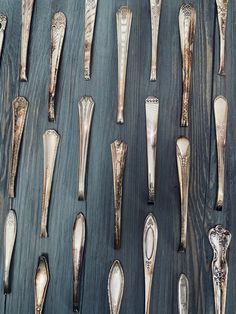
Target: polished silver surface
(9,243)
(221,114)
(118,152)
(57,38)
(150,238)
(41,284)
(187,25)
(183,164)
(219,239)
(115,287)
(90,19)
(50,144)
(78,243)
(222,10)
(123,21)
(27,10)
(155,8)
(86,108)
(3,25)
(19,112)
(183,294)
(152,111)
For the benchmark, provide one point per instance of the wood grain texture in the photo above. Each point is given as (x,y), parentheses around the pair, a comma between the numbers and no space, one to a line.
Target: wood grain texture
(98,207)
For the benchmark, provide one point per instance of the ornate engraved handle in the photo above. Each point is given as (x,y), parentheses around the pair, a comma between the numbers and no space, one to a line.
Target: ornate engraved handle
(77,252)
(150,237)
(57,38)
(50,143)
(183,294)
(115,287)
(90,18)
(152,110)
(118,152)
(187,24)
(86,108)
(221,113)
(155,7)
(41,284)
(123,21)
(19,111)
(222,9)
(3,24)
(27,10)
(183,163)
(219,239)
(9,243)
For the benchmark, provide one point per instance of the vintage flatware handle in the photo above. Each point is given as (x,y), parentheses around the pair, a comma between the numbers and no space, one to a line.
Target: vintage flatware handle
(222,10)
(50,144)
(27,10)
(219,239)
(90,19)
(183,294)
(115,287)
(123,21)
(86,108)
(183,164)
(78,244)
(118,152)
(221,113)
(41,282)
(10,229)
(150,238)
(57,38)
(19,111)
(155,7)
(152,111)
(3,25)
(187,25)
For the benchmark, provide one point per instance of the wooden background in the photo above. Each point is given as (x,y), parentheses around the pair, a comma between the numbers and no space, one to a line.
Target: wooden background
(98,207)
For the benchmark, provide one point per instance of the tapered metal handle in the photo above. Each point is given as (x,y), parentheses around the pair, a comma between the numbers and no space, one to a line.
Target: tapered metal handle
(187,25)
(221,113)
(183,294)
(41,284)
(3,24)
(115,287)
(155,8)
(150,238)
(219,239)
(123,21)
(222,10)
(57,38)
(183,163)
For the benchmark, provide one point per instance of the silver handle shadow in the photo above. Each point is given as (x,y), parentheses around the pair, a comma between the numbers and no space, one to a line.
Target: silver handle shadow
(86,108)
(41,284)
(183,294)
(115,287)
(222,10)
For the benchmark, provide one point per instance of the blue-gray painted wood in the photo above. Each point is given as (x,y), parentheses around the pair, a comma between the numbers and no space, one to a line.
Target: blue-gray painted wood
(98,207)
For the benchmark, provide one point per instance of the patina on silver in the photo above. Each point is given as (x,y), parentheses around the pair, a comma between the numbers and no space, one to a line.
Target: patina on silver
(222,10)
(3,25)
(221,113)
(41,284)
(19,111)
(9,243)
(152,111)
(27,10)
(150,238)
(219,239)
(115,287)
(183,164)
(86,108)
(90,19)
(118,152)
(57,38)
(50,144)
(187,25)
(78,243)
(123,22)
(183,294)
(155,7)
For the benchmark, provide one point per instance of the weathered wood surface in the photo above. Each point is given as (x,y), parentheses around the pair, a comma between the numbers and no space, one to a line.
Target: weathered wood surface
(98,207)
